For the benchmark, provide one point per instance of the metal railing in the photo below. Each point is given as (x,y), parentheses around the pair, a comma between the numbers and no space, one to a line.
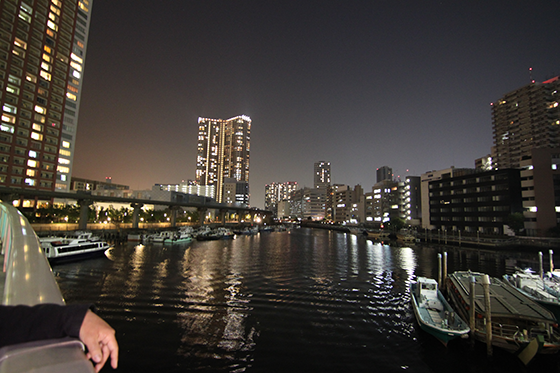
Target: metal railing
(28,279)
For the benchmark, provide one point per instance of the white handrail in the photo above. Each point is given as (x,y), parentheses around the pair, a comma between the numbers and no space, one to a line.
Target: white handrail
(29,280)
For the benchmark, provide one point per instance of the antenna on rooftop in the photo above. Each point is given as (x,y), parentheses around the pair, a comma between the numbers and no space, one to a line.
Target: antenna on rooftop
(531,74)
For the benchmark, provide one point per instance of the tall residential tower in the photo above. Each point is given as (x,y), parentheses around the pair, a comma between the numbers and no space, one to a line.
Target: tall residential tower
(42,56)
(524,119)
(223,152)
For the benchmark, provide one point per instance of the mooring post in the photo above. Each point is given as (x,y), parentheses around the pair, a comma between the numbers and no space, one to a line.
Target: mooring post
(488,313)
(550,253)
(439,270)
(444,266)
(541,270)
(472,312)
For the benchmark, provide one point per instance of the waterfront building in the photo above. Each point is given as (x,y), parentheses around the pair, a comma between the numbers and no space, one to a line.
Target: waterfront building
(426,178)
(42,57)
(223,151)
(540,189)
(526,118)
(479,201)
(384,173)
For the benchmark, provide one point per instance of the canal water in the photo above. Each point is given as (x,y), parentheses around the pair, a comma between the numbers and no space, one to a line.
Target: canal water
(304,300)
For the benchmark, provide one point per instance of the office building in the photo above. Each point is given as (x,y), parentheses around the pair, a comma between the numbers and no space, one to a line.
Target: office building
(223,152)
(526,118)
(385,202)
(42,55)
(412,200)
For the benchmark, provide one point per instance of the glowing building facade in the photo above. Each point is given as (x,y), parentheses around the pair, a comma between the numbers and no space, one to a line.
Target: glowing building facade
(42,56)
(223,152)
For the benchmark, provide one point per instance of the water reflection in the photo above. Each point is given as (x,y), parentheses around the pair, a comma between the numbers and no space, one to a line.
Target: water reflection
(329,301)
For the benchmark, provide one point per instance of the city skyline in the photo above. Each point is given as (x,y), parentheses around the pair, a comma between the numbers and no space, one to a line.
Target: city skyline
(360,85)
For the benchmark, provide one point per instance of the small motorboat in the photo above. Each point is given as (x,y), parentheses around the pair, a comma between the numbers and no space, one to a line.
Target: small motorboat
(434,314)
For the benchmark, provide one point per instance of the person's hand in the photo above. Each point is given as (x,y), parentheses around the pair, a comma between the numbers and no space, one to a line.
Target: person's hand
(99,338)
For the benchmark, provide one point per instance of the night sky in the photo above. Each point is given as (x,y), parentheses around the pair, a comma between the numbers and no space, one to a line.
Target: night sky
(360,84)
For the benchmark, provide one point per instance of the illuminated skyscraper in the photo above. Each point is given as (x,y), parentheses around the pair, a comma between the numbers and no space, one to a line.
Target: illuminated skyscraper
(223,152)
(42,56)
(524,119)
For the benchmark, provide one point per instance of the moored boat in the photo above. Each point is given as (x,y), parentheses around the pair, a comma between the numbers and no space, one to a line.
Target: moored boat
(160,237)
(83,245)
(545,290)
(433,312)
(517,321)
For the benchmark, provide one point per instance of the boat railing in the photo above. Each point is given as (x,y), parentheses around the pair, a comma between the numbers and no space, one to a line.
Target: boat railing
(27,279)
(505,330)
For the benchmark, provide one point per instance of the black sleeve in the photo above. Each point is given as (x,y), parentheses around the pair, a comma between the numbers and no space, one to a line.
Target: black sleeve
(20,324)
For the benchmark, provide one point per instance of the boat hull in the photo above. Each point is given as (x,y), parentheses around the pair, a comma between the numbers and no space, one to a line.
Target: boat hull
(445,325)
(78,256)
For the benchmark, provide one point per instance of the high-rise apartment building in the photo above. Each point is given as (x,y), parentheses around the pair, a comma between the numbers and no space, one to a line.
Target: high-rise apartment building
(223,152)
(526,118)
(274,193)
(42,55)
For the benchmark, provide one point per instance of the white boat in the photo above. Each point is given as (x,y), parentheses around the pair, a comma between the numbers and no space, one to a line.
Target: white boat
(434,314)
(160,237)
(225,232)
(182,235)
(81,246)
(545,291)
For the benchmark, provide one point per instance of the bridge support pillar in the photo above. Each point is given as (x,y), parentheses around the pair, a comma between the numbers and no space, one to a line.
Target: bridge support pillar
(84,212)
(201,215)
(223,214)
(173,215)
(136,214)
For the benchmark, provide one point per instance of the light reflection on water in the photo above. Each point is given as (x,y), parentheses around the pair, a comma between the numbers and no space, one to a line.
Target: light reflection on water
(302,300)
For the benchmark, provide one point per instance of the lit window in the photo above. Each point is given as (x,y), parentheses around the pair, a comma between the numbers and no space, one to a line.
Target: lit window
(66,144)
(55,10)
(6,128)
(47,58)
(65,152)
(30,173)
(76,74)
(40,109)
(36,136)
(45,75)
(8,118)
(47,49)
(26,17)
(30,182)
(45,66)
(9,109)
(32,154)
(20,43)
(71,96)
(12,89)
(30,78)
(76,58)
(76,66)
(63,161)
(38,127)
(63,169)
(31,163)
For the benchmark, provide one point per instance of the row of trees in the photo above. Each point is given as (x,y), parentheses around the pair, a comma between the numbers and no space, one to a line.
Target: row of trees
(71,214)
